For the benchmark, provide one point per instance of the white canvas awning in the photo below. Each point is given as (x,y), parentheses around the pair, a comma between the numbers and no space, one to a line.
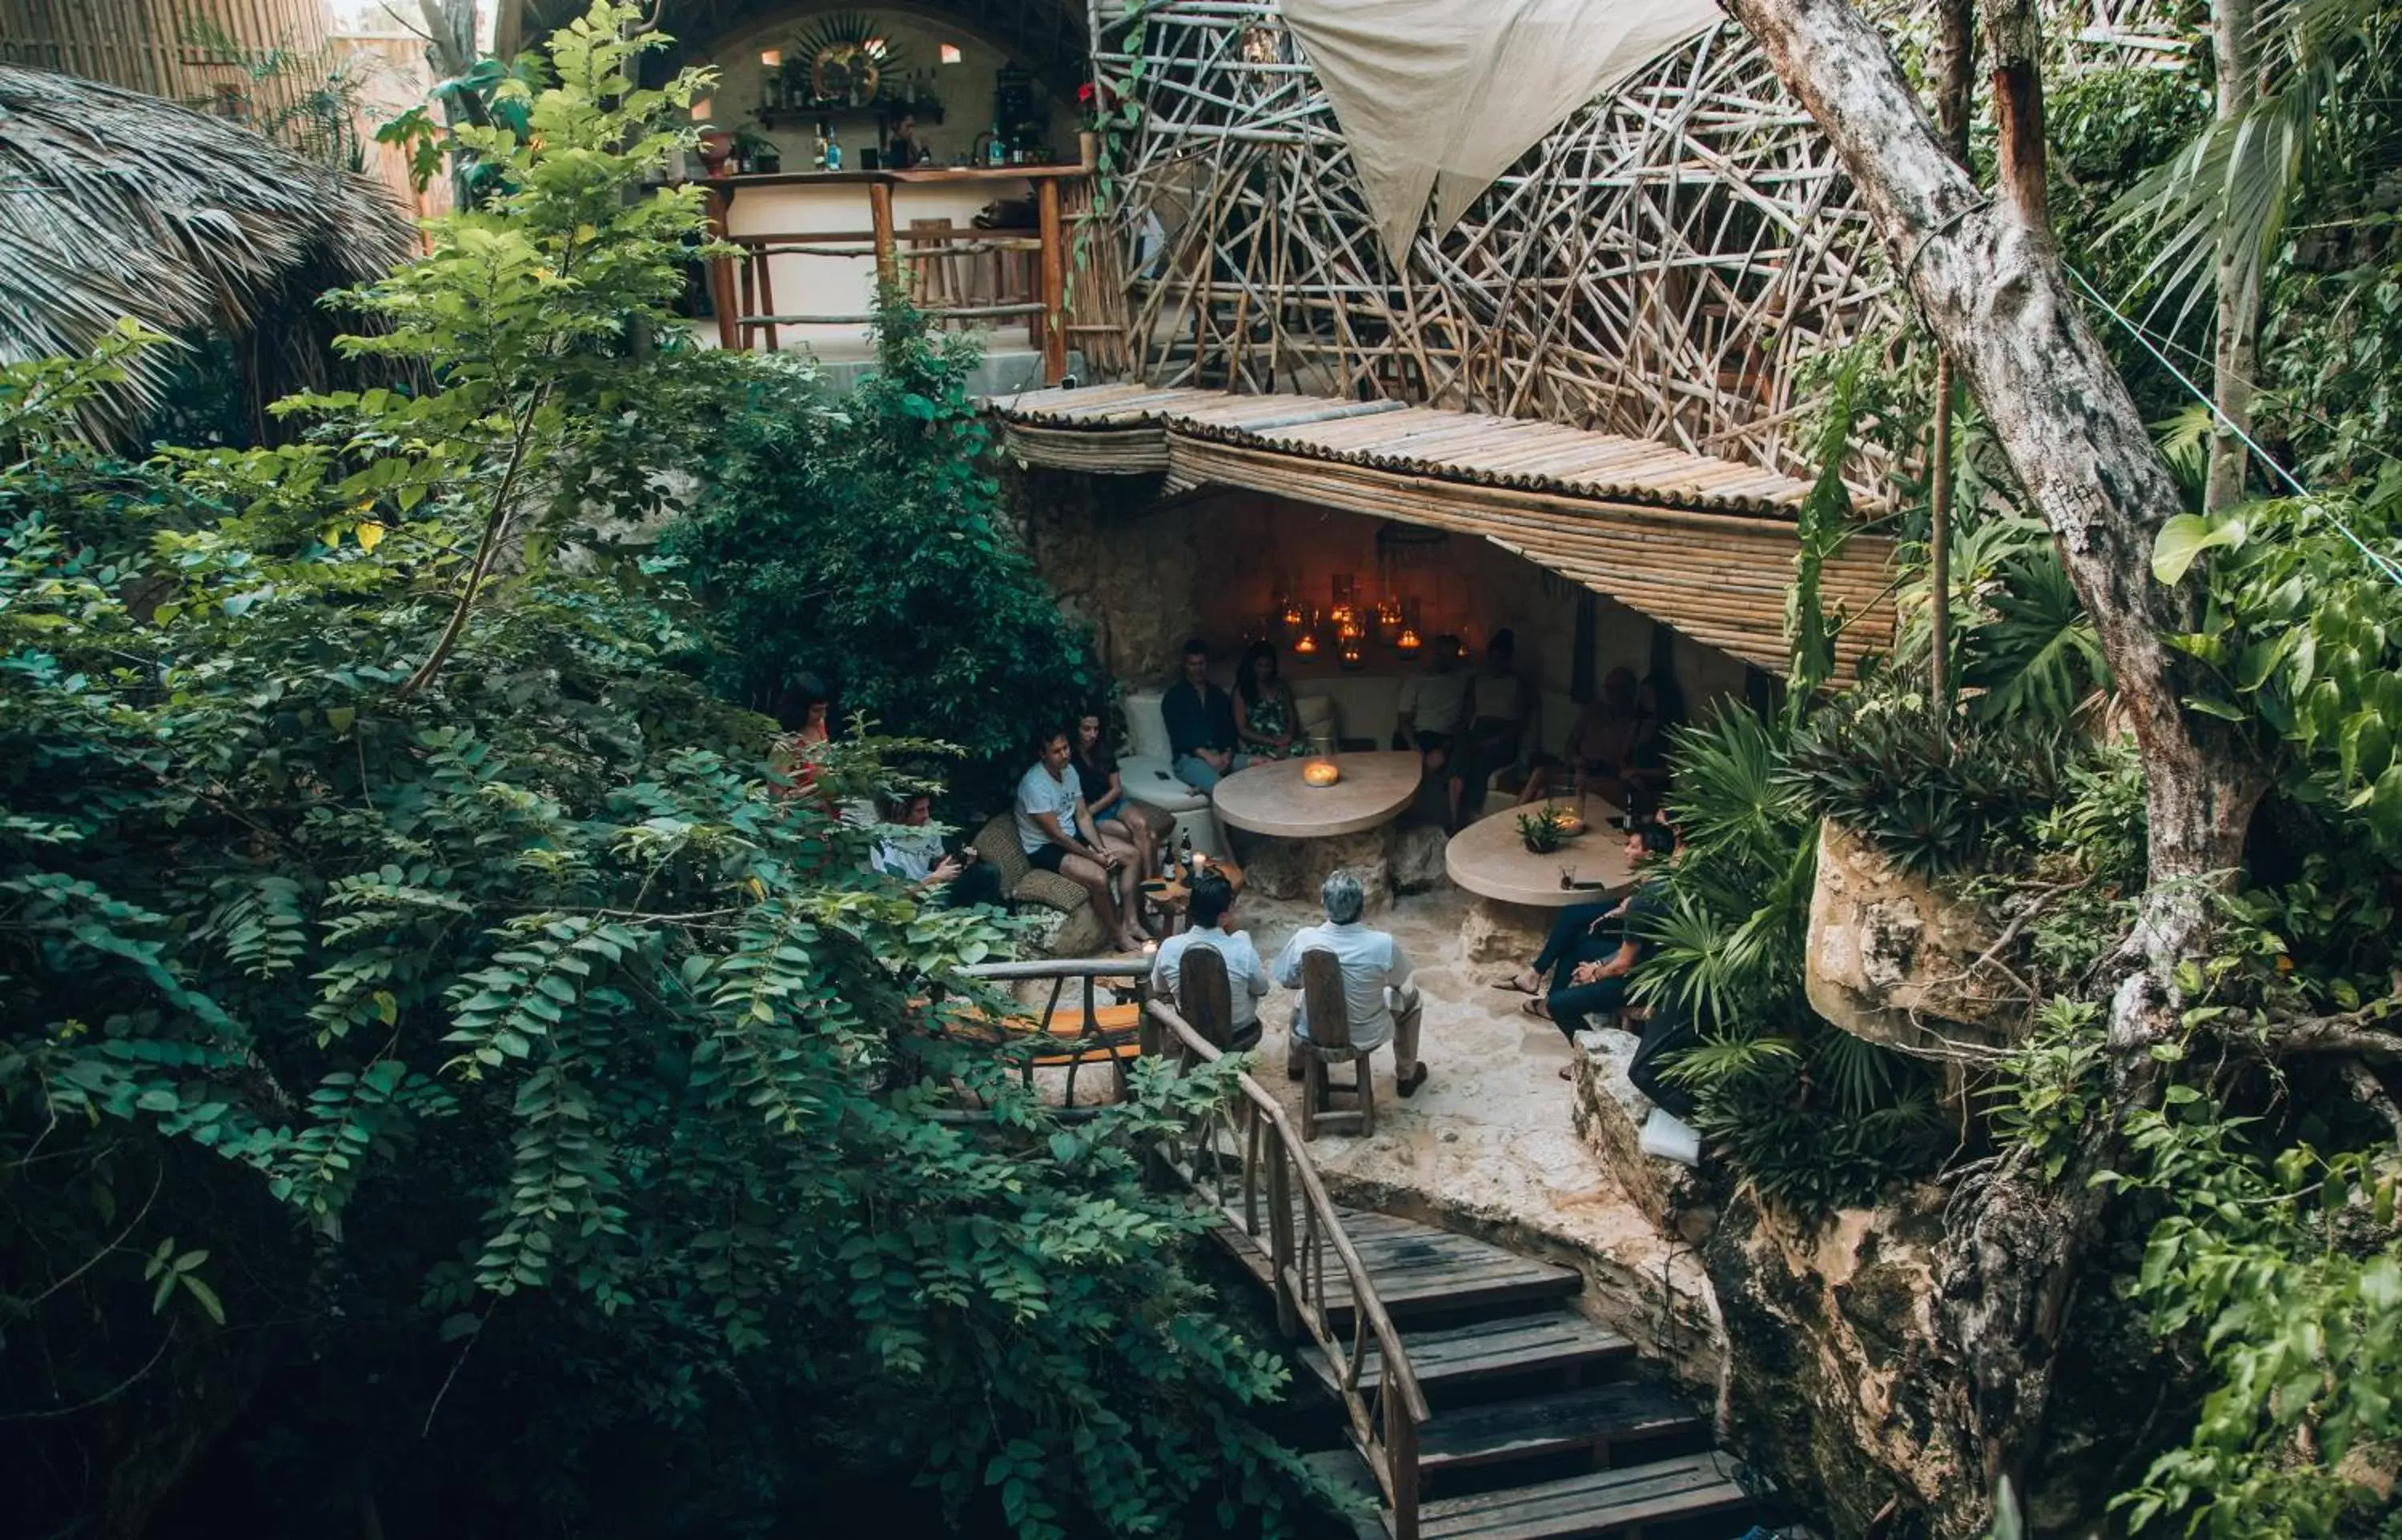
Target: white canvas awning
(1439,97)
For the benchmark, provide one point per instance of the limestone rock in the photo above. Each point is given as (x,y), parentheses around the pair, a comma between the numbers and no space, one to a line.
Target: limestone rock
(1892,956)
(1608,1115)
(1414,852)
(1294,869)
(1503,932)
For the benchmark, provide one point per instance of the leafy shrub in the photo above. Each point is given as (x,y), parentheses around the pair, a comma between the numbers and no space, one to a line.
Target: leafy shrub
(1933,795)
(1812,1117)
(860,537)
(425,1038)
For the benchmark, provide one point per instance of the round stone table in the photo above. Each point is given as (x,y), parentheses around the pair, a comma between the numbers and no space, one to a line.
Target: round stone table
(1273,799)
(1520,888)
(1314,829)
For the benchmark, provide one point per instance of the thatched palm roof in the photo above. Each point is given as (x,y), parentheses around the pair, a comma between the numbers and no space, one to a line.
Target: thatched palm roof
(115,205)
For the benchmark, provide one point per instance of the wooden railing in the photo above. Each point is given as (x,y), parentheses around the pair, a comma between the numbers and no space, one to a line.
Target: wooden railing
(1251,1143)
(1246,1158)
(742,288)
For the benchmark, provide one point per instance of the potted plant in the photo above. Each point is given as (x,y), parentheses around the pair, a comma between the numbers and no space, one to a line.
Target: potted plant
(757,153)
(1547,828)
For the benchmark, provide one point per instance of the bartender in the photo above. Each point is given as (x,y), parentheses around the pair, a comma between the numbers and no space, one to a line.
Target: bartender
(906,150)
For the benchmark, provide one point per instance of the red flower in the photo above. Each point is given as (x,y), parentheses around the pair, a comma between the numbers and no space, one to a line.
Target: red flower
(1084,93)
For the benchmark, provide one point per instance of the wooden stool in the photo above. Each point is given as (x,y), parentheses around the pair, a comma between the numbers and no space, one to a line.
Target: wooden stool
(1329,1014)
(933,275)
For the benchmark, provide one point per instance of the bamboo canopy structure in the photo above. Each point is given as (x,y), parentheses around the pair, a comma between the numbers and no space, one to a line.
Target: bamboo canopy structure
(113,203)
(1663,264)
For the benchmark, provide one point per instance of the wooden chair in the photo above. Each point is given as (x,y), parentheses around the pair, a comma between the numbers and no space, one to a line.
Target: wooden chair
(1329,1042)
(1204,997)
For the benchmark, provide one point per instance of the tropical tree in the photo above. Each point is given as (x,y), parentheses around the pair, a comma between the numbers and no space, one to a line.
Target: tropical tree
(1984,273)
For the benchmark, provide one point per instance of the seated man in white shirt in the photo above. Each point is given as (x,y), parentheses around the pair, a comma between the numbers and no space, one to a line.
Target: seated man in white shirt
(1212,904)
(1055,830)
(1377,991)
(912,853)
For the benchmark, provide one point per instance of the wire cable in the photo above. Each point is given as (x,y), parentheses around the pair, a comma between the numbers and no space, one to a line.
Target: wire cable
(2384,565)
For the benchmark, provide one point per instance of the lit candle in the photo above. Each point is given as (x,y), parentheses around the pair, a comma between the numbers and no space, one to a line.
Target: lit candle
(1307,646)
(1408,645)
(1321,773)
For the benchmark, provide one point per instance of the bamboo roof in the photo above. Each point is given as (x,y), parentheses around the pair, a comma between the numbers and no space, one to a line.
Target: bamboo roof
(1706,545)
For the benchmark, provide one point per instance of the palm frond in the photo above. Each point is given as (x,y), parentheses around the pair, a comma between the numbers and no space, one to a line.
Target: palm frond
(2223,199)
(116,204)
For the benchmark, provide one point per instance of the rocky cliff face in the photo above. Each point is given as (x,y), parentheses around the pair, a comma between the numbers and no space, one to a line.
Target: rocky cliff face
(1836,1383)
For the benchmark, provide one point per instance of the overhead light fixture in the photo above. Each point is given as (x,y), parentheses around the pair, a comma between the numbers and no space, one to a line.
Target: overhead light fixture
(950,53)
(772,57)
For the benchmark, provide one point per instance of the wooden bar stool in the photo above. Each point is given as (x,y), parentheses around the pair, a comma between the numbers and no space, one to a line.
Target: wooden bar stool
(933,272)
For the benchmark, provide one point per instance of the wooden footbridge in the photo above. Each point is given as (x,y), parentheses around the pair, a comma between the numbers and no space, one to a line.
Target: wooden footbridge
(1481,1403)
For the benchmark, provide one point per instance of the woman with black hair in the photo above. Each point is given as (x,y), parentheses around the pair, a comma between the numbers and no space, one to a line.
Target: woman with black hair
(803,706)
(1266,716)
(1097,765)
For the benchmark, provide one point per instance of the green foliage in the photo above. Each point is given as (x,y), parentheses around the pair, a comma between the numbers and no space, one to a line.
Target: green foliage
(1820,529)
(472,1075)
(1813,1117)
(2301,632)
(2047,1090)
(2286,1269)
(1933,795)
(859,538)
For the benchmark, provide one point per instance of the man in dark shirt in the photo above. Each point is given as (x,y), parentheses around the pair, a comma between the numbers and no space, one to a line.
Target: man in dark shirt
(1593,980)
(1200,719)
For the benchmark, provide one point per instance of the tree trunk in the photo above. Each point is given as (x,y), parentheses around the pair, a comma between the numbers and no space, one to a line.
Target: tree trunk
(1988,283)
(1955,74)
(2235,351)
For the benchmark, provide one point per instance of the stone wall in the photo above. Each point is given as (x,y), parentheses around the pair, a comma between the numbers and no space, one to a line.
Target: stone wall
(1129,568)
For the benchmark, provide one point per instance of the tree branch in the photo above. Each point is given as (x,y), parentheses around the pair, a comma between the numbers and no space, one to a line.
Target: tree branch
(486,550)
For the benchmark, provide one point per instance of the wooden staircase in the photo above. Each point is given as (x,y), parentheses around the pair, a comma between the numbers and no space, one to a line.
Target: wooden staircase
(1536,1431)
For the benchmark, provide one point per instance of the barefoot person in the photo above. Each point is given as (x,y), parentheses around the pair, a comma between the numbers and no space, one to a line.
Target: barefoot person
(1055,830)
(1119,814)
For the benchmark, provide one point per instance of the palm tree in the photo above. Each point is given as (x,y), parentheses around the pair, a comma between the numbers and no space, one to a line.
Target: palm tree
(2220,203)
(114,204)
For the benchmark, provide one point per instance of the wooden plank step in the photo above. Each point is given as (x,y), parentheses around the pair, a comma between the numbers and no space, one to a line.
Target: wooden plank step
(1595,1417)
(1485,1350)
(1603,1503)
(1419,1270)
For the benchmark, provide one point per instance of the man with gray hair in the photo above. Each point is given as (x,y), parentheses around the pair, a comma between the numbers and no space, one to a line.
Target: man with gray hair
(1377,991)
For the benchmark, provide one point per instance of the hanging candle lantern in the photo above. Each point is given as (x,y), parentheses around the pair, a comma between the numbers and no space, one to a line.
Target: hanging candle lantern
(1351,655)
(1307,646)
(1291,615)
(1407,644)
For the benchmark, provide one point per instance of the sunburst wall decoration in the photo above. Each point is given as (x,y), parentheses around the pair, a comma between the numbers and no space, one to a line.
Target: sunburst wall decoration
(844,57)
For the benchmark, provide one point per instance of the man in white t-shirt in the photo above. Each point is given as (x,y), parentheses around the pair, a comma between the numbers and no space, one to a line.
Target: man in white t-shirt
(1378,993)
(1055,830)
(1212,906)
